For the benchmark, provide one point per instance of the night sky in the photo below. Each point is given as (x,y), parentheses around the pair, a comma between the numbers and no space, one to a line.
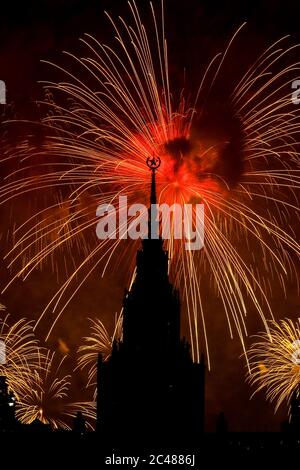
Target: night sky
(34,31)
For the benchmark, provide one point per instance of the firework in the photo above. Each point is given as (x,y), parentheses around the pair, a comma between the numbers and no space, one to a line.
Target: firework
(21,351)
(116,110)
(275,361)
(99,342)
(34,376)
(45,397)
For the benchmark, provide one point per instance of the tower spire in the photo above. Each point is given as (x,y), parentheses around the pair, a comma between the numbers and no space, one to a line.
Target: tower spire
(153,163)
(153,187)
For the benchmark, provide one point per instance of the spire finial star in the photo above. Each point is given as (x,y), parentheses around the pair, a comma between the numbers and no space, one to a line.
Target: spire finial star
(153,162)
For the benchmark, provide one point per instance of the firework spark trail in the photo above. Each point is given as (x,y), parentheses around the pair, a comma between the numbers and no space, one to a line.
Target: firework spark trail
(45,397)
(275,361)
(120,113)
(21,351)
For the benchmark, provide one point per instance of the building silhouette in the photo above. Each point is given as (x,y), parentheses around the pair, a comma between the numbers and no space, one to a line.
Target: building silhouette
(150,390)
(79,424)
(7,407)
(295,410)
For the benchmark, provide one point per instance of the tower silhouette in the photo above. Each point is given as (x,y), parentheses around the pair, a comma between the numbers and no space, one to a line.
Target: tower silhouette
(149,390)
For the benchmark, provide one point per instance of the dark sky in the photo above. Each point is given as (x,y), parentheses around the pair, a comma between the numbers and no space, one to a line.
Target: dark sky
(35,30)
